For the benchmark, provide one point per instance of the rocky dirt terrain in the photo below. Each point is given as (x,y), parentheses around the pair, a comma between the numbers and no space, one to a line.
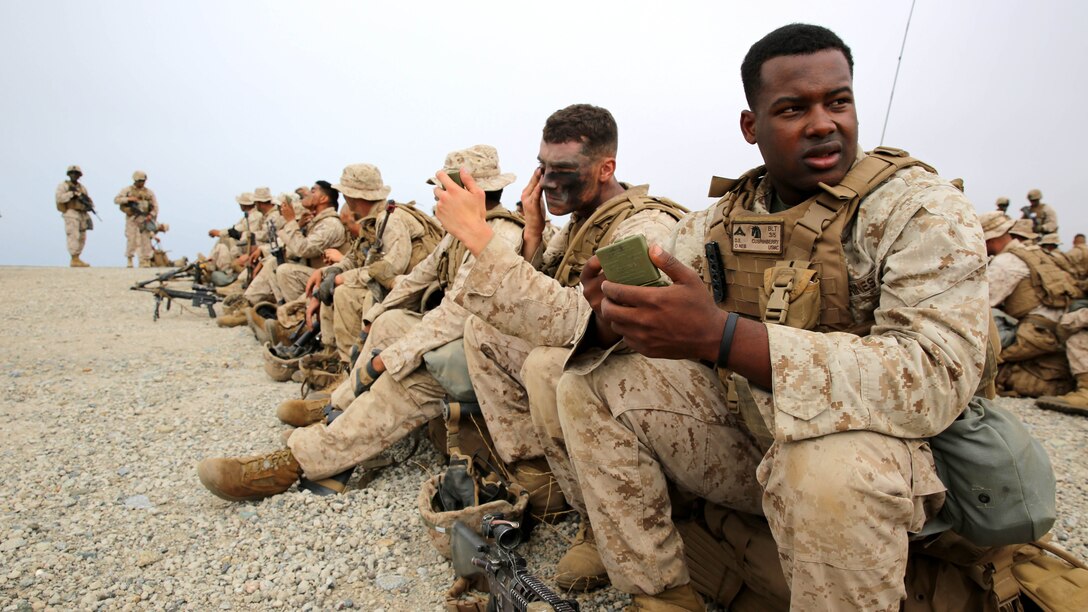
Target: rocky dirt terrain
(106,413)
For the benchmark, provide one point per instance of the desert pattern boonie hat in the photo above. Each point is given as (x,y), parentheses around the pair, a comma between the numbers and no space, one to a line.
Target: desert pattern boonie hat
(995,224)
(482,162)
(362,181)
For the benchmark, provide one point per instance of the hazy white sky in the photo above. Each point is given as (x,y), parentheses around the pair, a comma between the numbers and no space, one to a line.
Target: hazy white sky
(214,98)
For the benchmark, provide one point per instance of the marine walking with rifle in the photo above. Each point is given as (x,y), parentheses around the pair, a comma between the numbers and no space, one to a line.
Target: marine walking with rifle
(141,210)
(76,206)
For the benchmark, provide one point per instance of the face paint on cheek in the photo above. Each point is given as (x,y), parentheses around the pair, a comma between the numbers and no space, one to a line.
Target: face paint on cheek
(560,186)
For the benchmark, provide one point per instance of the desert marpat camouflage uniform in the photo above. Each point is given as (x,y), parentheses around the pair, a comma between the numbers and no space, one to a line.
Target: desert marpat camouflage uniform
(1046,217)
(76,218)
(405,396)
(518,309)
(848,414)
(227,249)
(325,231)
(400,243)
(136,234)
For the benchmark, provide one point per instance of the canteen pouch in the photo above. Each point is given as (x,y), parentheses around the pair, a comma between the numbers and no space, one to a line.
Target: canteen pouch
(1001,486)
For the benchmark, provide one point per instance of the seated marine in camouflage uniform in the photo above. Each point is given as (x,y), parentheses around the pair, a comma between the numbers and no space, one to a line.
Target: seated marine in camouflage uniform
(836,383)
(528,308)
(400,393)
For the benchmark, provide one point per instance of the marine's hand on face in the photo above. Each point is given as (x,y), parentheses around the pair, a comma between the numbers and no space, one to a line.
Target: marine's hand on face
(531,203)
(288,213)
(462,211)
(680,321)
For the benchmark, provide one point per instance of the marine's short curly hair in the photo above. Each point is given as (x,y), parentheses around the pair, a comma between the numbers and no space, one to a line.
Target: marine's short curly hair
(792,39)
(593,126)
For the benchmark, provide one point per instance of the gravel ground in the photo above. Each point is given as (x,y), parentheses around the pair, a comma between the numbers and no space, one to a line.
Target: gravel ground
(108,413)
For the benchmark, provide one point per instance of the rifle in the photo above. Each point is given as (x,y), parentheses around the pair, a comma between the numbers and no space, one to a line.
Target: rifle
(274,246)
(251,265)
(303,342)
(512,587)
(194,270)
(84,198)
(201,295)
(376,252)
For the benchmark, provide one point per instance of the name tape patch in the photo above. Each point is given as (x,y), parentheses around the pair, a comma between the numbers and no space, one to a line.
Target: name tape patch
(756,236)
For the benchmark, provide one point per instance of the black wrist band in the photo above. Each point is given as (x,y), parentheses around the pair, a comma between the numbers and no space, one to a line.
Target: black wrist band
(727,340)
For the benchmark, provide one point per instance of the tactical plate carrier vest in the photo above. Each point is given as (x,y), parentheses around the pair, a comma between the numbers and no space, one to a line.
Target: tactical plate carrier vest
(587,235)
(1047,284)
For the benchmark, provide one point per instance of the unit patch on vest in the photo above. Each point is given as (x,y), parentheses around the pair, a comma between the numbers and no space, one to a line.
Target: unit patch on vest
(756,235)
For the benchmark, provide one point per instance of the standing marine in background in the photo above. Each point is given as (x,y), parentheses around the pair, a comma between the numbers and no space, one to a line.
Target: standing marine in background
(1042,215)
(141,211)
(75,203)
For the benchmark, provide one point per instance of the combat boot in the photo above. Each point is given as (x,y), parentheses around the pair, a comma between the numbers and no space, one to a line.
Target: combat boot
(677,599)
(78,263)
(129,265)
(581,568)
(249,478)
(1074,402)
(145,263)
(231,319)
(302,412)
(546,501)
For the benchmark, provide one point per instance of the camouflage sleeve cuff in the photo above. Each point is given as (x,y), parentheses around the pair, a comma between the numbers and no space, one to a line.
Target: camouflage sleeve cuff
(490,269)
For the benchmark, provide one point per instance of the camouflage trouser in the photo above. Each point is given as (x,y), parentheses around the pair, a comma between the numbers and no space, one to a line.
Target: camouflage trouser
(138,241)
(291,280)
(350,302)
(494,363)
(541,373)
(221,256)
(389,327)
(262,289)
(373,421)
(1074,326)
(75,229)
(840,506)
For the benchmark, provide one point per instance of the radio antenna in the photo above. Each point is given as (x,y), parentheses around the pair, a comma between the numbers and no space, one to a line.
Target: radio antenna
(897,65)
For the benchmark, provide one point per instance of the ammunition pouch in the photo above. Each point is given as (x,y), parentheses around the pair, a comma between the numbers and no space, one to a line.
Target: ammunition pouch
(1035,336)
(791,295)
(1046,375)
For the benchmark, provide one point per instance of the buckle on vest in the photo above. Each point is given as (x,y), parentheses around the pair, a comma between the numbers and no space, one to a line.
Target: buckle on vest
(778,302)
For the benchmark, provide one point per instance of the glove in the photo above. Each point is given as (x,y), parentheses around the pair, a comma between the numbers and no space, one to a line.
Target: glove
(233,233)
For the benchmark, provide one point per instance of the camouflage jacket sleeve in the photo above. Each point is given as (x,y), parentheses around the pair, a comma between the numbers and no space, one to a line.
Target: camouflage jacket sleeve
(64,194)
(409,288)
(920,240)
(1004,273)
(446,322)
(510,294)
(123,195)
(326,232)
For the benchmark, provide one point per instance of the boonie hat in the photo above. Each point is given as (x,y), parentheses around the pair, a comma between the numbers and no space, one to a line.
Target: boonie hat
(1050,240)
(139,175)
(362,181)
(1002,202)
(74,169)
(1035,195)
(262,194)
(482,162)
(995,224)
(245,199)
(1024,228)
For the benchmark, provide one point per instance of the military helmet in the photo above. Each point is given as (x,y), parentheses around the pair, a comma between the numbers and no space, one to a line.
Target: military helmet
(1035,195)
(277,368)
(74,168)
(139,175)
(439,521)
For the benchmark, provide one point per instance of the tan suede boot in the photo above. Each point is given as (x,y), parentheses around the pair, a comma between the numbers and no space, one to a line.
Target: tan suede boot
(78,263)
(546,501)
(677,599)
(249,478)
(1074,402)
(302,412)
(581,568)
(231,319)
